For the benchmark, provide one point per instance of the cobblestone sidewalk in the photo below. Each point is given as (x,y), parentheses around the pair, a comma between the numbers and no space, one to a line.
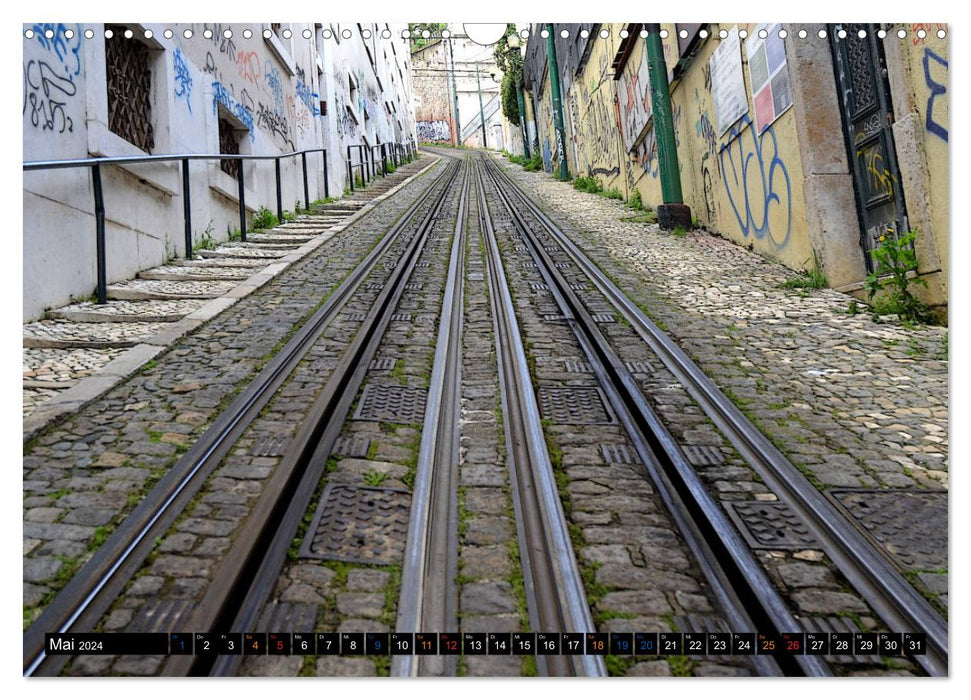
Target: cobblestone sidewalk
(853,402)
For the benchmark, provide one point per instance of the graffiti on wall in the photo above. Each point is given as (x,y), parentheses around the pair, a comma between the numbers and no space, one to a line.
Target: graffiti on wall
(49,79)
(183,79)
(275,122)
(634,95)
(938,90)
(436,130)
(248,65)
(221,95)
(757,183)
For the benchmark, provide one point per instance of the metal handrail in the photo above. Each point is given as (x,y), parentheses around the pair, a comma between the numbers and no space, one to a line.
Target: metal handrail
(99,205)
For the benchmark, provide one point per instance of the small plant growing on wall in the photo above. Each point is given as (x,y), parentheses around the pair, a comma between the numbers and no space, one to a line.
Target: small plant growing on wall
(895,258)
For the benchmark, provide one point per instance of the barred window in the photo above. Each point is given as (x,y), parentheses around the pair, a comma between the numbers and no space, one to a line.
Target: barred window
(129,81)
(228,143)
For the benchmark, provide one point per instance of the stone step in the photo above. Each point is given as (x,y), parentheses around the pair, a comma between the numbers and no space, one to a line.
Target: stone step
(174,273)
(116,311)
(59,333)
(238,252)
(137,290)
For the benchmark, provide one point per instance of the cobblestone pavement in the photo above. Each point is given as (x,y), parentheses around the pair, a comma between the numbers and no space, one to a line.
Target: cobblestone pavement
(357,592)
(854,403)
(82,476)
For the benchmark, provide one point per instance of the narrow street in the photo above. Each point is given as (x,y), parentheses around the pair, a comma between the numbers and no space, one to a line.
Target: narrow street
(470,418)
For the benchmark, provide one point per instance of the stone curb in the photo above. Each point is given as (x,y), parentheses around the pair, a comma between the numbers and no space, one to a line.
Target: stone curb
(125,365)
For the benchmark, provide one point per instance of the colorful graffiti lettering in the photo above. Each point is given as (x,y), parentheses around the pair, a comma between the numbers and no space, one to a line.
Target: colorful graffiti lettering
(433,131)
(937,90)
(183,80)
(757,182)
(220,95)
(276,123)
(67,50)
(248,64)
(309,98)
(273,80)
(47,93)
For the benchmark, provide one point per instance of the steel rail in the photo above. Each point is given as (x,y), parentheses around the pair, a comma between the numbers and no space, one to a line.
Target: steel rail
(738,580)
(556,598)
(428,598)
(94,587)
(247,575)
(890,595)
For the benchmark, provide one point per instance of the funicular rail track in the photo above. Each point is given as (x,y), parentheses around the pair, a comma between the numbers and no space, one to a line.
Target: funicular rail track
(718,546)
(89,594)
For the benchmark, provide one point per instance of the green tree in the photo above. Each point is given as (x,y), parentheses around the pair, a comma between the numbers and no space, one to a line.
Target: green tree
(416,28)
(510,62)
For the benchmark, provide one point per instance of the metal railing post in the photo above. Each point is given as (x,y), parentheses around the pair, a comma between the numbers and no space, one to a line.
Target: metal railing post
(323,156)
(306,185)
(350,169)
(242,201)
(279,191)
(384,160)
(186,209)
(99,219)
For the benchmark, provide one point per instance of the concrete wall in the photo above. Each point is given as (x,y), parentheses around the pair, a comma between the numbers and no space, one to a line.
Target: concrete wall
(786,192)
(274,91)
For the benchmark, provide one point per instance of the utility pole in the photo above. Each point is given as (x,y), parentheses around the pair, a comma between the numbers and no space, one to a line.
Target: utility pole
(455,99)
(673,213)
(557,104)
(478,87)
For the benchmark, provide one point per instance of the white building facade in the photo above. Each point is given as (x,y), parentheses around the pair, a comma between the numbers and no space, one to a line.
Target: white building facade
(159,90)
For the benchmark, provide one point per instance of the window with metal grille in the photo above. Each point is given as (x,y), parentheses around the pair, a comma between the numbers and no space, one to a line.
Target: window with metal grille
(129,79)
(228,143)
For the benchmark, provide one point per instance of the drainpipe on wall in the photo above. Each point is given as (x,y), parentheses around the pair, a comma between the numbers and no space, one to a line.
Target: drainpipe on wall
(673,212)
(563,174)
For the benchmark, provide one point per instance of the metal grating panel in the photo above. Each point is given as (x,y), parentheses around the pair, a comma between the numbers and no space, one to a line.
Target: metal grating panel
(383,363)
(619,454)
(351,446)
(360,525)
(580,287)
(561,265)
(910,526)
(129,85)
(553,318)
(354,317)
(640,367)
(573,405)
(415,285)
(393,403)
(577,366)
(703,455)
(269,446)
(770,525)
(539,286)
(604,318)
(166,615)
(400,317)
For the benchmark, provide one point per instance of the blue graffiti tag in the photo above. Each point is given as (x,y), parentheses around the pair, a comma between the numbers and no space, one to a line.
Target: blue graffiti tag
(771,175)
(183,80)
(310,99)
(221,95)
(936,90)
(273,80)
(61,45)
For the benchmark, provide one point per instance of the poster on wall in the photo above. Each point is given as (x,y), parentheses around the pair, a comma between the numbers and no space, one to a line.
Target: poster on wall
(769,75)
(727,81)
